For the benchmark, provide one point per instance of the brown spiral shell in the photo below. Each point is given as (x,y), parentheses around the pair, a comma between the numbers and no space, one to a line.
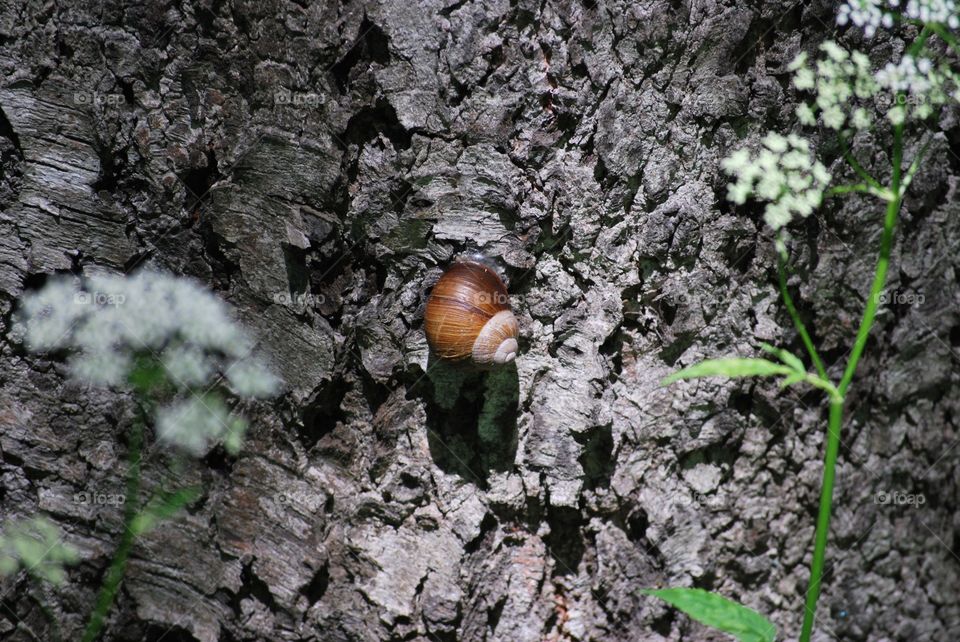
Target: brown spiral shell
(468,316)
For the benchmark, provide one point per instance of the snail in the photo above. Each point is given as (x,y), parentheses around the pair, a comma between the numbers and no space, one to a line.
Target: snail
(468,315)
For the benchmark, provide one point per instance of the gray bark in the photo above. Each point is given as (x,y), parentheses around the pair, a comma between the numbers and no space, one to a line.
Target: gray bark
(276,149)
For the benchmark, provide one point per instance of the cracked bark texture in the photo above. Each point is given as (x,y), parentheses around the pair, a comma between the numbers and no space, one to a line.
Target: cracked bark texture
(318,165)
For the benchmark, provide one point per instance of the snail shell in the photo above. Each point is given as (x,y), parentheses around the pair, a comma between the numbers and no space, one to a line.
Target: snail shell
(468,315)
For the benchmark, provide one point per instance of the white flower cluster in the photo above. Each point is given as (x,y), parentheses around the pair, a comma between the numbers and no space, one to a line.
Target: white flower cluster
(842,80)
(195,423)
(924,85)
(870,15)
(783,173)
(112,325)
(839,78)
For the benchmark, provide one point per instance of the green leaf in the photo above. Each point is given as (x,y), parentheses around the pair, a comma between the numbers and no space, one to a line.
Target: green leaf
(37,546)
(731,367)
(796,377)
(788,358)
(162,507)
(718,612)
(147,374)
(233,438)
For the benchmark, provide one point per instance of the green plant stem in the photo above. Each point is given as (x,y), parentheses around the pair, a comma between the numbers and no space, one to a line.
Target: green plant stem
(114,575)
(797,321)
(883,262)
(823,517)
(914,166)
(857,167)
(836,406)
(945,35)
(841,190)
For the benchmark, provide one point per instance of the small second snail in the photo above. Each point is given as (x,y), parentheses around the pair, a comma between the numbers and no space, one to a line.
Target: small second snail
(468,315)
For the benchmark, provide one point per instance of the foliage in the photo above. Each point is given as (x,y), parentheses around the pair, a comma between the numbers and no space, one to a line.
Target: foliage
(175,345)
(36,546)
(720,613)
(786,174)
(152,332)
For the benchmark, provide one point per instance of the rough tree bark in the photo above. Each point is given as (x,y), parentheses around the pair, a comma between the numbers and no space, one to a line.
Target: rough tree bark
(280,148)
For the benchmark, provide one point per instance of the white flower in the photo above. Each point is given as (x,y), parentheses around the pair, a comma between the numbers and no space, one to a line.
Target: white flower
(738,192)
(196,424)
(867,14)
(870,15)
(805,115)
(111,321)
(145,329)
(104,368)
(783,173)
(923,84)
(835,52)
(776,215)
(837,77)
(804,79)
(799,61)
(833,117)
(250,379)
(861,119)
(941,11)
(51,320)
(775,142)
(186,365)
(736,161)
(897,114)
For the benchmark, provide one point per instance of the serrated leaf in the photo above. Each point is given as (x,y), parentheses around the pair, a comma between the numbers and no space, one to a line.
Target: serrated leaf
(718,612)
(787,357)
(730,367)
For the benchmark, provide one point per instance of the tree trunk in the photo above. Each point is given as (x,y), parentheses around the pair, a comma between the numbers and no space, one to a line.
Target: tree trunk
(318,165)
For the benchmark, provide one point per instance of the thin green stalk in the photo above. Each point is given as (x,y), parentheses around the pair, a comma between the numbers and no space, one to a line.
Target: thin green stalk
(823,518)
(836,406)
(857,167)
(842,190)
(797,321)
(945,34)
(883,262)
(924,35)
(914,166)
(863,188)
(114,576)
